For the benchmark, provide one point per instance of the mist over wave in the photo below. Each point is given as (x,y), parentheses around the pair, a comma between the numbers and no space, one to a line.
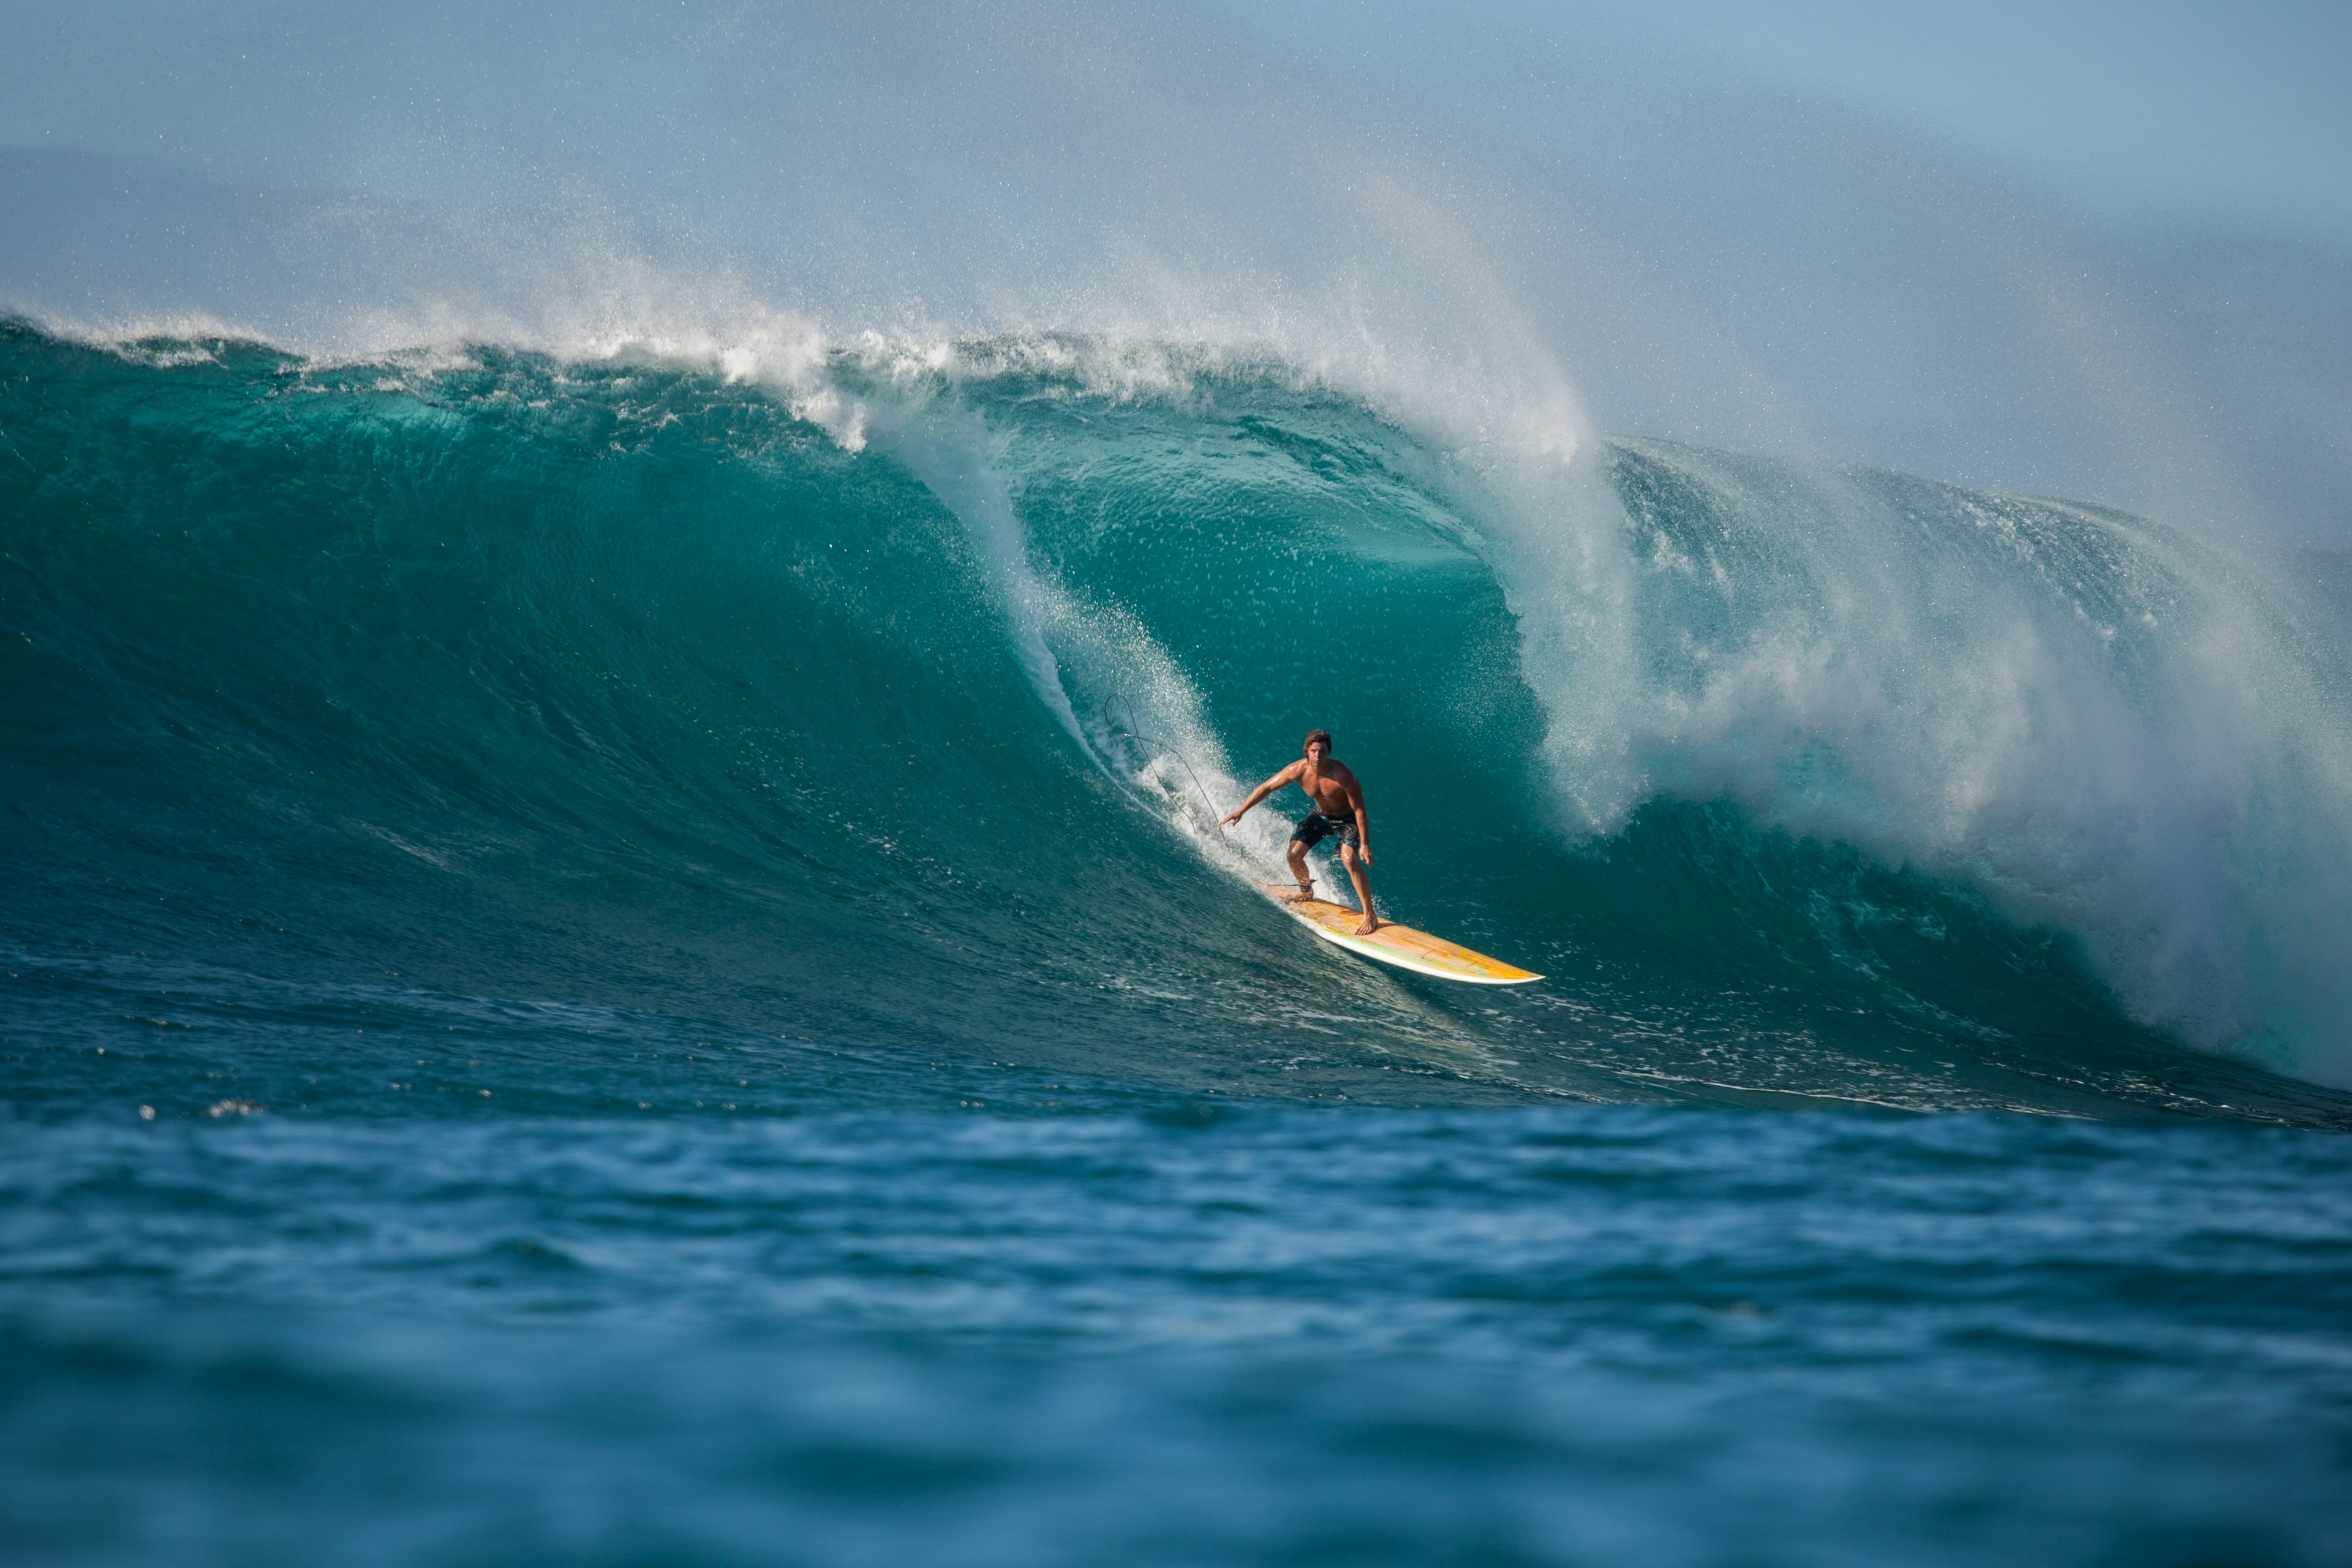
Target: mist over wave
(1504,208)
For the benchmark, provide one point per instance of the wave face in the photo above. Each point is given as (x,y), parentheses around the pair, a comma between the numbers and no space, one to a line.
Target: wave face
(811,708)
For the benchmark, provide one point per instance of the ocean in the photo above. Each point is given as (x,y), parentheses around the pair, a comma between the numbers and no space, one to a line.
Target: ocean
(625,957)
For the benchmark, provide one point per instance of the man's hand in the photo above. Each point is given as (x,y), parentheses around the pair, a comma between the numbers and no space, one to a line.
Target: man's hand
(1365,854)
(1259,794)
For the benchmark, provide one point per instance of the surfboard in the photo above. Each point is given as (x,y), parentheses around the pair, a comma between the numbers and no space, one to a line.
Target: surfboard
(1399,945)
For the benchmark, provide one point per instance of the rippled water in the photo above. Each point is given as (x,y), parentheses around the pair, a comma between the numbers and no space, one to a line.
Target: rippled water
(892,1310)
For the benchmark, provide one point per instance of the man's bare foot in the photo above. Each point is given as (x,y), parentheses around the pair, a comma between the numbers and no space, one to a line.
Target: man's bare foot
(1305,892)
(1371,923)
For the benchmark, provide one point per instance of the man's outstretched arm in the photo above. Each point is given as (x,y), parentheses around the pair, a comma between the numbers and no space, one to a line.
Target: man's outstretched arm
(1259,794)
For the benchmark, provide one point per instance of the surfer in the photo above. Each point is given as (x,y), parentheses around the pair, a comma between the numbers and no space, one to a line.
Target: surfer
(1339,801)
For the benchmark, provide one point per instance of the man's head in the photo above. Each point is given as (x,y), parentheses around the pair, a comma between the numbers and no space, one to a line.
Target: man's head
(1317,738)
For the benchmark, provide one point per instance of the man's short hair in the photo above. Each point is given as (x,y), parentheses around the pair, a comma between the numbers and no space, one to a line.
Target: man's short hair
(1313,736)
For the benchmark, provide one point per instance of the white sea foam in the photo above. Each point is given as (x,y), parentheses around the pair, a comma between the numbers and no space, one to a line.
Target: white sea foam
(2088,720)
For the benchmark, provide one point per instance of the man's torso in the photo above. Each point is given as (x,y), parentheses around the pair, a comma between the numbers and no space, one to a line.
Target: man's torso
(1327,787)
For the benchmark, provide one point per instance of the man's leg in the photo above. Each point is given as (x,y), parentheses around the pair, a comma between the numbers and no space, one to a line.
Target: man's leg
(1363,889)
(1298,871)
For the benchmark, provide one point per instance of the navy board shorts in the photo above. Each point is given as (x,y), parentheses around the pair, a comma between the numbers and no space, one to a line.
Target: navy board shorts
(1315,827)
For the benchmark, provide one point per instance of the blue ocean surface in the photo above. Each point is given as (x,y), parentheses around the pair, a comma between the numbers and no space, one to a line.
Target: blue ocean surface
(604,960)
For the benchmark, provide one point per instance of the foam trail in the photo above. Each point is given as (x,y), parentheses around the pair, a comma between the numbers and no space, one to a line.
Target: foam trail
(1062,643)
(1077,656)
(946,450)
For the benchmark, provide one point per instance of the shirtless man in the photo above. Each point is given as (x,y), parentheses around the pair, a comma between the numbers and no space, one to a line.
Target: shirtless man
(1339,801)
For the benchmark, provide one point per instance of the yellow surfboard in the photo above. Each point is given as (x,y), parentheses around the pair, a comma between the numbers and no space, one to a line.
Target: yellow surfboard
(1400,945)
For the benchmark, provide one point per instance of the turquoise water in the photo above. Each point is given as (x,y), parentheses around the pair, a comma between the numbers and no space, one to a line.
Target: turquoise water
(593,973)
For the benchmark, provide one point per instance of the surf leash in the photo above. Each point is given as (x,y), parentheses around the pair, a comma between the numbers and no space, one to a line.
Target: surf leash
(1182,761)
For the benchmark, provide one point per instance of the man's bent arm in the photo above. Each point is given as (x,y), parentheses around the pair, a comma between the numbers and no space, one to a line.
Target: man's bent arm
(1259,794)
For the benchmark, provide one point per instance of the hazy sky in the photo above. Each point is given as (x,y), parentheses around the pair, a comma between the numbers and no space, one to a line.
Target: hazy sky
(2161,108)
(2165,108)
(2169,109)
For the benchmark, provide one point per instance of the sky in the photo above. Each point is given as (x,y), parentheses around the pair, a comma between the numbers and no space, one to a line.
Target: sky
(2087,250)
(2153,112)
(2164,110)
